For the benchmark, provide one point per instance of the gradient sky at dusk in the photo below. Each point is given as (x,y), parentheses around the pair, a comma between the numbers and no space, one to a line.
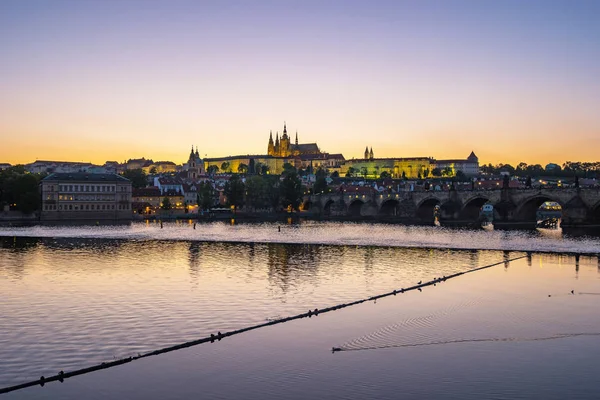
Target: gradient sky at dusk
(116,79)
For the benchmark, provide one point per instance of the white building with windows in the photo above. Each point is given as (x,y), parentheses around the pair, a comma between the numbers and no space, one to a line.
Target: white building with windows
(84,196)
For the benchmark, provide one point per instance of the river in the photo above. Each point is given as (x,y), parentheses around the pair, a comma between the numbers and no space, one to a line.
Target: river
(73,297)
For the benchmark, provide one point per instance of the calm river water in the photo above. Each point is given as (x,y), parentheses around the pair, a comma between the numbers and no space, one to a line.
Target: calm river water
(72,297)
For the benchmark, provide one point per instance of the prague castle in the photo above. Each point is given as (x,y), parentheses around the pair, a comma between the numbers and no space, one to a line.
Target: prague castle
(282,151)
(284,148)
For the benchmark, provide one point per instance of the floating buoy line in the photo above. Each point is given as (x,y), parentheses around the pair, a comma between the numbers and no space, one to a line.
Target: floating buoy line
(61,376)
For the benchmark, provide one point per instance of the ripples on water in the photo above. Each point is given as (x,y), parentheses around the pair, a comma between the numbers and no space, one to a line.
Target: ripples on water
(75,296)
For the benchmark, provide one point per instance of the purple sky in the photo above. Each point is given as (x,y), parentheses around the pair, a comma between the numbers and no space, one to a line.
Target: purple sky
(109,80)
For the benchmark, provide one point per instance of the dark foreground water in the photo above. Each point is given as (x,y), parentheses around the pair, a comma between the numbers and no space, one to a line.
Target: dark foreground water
(74,297)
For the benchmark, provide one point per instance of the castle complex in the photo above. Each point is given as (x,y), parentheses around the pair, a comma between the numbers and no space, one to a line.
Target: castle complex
(282,151)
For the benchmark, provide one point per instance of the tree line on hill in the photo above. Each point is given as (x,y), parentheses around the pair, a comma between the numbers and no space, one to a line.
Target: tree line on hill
(568,169)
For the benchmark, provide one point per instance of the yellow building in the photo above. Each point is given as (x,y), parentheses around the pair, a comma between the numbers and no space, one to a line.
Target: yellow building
(410,168)
(247,163)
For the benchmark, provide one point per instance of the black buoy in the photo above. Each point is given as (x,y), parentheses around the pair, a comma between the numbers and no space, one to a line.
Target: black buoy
(572,291)
(419,282)
(60,376)
(212,337)
(219,335)
(334,349)
(42,380)
(316,311)
(420,290)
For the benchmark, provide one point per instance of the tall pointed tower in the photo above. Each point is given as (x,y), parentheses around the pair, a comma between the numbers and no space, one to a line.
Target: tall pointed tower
(367,153)
(285,148)
(277,147)
(271,147)
(371,154)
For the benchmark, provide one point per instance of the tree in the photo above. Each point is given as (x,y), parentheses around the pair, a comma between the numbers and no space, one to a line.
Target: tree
(437,172)
(320,182)
(242,168)
(166,204)
(385,175)
(212,169)
(404,175)
(461,176)
(234,191)
(137,176)
(335,174)
(206,195)
(521,167)
(447,171)
(225,166)
(20,189)
(262,191)
(264,169)
(153,170)
(288,168)
(528,182)
(291,191)
(363,171)
(351,172)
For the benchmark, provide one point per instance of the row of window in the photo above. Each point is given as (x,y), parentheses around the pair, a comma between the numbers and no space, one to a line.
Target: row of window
(86,188)
(70,197)
(86,207)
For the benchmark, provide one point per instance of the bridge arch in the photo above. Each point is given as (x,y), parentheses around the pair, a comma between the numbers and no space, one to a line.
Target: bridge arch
(450,209)
(389,207)
(306,205)
(595,213)
(472,207)
(527,209)
(327,207)
(426,209)
(355,207)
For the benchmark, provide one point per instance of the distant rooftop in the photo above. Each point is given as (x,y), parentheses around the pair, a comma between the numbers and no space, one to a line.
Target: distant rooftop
(84,176)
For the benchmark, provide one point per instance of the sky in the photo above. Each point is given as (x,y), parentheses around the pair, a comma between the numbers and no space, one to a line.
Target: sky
(106,80)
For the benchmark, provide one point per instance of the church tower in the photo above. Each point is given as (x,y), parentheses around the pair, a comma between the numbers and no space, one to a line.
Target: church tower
(371,154)
(367,153)
(271,147)
(277,147)
(195,165)
(285,148)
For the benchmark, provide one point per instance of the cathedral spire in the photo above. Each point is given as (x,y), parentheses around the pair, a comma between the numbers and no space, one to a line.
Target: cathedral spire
(296,137)
(284,128)
(197,154)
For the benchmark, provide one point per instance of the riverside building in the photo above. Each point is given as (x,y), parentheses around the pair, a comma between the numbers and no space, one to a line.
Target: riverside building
(82,196)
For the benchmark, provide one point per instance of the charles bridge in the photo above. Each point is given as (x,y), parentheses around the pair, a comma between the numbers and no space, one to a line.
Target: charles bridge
(580,206)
